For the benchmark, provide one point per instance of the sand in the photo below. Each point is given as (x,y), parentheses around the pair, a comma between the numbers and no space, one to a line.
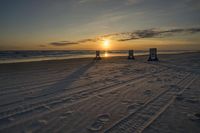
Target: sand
(113,95)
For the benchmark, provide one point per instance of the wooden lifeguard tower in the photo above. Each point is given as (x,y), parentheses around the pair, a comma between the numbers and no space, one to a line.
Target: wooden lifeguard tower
(97,55)
(153,54)
(131,55)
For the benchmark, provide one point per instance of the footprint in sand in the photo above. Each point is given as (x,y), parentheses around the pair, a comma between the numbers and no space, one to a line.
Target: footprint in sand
(179,76)
(104,118)
(47,107)
(115,93)
(175,87)
(66,114)
(192,100)
(99,122)
(158,79)
(99,96)
(194,117)
(140,103)
(151,81)
(126,101)
(167,80)
(147,92)
(35,125)
(42,122)
(179,97)
(67,100)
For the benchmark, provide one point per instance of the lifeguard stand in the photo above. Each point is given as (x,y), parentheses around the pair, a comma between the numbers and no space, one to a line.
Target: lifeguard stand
(153,54)
(131,54)
(97,55)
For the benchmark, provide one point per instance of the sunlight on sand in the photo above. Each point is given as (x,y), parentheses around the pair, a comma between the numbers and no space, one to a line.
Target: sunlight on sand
(106,54)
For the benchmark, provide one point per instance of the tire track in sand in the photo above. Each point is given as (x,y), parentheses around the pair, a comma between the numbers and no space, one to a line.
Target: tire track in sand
(144,116)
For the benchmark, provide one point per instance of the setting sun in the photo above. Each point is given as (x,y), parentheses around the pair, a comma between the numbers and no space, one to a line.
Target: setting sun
(106,44)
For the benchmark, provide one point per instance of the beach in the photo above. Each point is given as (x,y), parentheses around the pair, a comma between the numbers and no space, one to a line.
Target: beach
(112,95)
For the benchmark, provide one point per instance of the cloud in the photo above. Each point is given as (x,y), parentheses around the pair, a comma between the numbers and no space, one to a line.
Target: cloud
(129,36)
(42,45)
(87,40)
(63,43)
(152,33)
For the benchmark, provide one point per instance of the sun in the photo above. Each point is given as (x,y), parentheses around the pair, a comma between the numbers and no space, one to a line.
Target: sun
(106,43)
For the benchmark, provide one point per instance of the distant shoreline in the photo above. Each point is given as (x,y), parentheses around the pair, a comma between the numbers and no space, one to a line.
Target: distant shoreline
(86,58)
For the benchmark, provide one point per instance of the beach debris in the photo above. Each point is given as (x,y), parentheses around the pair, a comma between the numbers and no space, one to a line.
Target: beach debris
(131,55)
(97,55)
(153,54)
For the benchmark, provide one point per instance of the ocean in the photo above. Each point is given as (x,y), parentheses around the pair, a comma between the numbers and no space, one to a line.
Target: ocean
(29,56)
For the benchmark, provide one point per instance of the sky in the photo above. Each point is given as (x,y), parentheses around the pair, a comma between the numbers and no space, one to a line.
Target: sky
(87,24)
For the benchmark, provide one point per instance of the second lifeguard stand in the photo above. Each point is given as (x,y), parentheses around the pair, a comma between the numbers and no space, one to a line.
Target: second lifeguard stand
(131,54)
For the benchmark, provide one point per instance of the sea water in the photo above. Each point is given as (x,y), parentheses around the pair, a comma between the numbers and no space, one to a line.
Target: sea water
(29,56)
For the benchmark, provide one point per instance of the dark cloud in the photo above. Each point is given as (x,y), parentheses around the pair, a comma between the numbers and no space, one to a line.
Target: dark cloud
(63,43)
(128,36)
(87,40)
(152,33)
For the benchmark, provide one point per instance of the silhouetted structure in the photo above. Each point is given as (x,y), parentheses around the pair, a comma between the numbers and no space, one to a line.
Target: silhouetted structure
(131,54)
(153,54)
(97,55)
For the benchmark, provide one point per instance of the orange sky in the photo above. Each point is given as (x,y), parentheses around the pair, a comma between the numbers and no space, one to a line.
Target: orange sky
(79,24)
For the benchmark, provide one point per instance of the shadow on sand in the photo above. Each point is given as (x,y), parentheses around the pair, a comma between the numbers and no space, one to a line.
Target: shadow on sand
(67,81)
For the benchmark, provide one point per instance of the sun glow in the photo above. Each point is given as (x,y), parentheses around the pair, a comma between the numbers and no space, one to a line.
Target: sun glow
(106,43)
(106,54)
